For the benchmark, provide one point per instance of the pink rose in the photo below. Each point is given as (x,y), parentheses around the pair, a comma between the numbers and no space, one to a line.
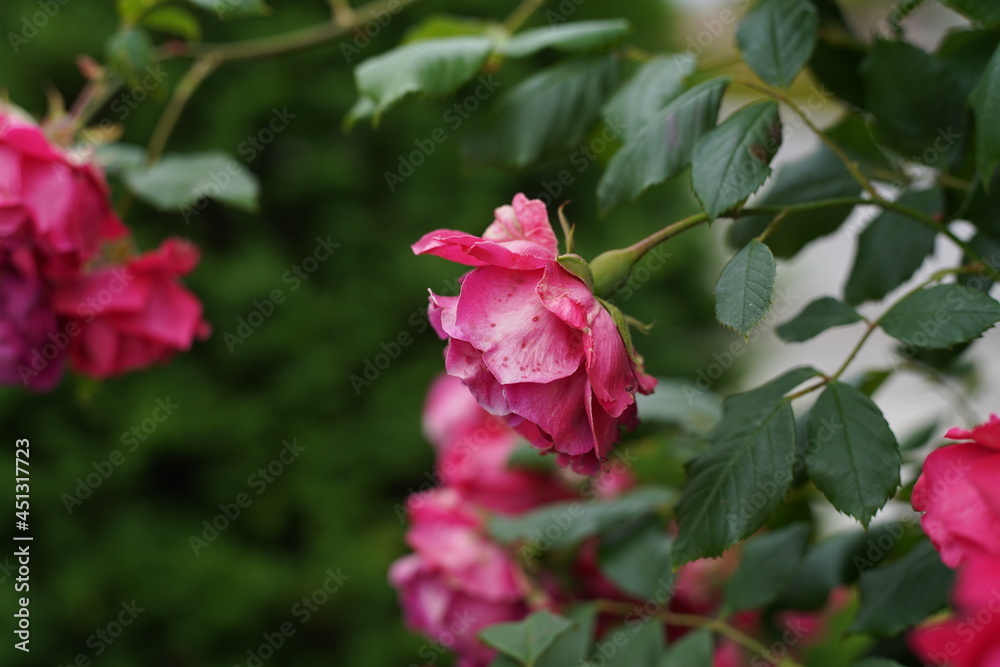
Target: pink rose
(134,315)
(959,494)
(457,582)
(26,320)
(531,341)
(49,201)
(972,638)
(474,448)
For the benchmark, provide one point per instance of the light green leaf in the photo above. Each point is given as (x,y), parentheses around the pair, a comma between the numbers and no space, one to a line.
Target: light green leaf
(174,21)
(662,149)
(743,293)
(901,594)
(447,25)
(549,111)
(639,563)
(821,175)
(527,640)
(892,248)
(655,85)
(120,157)
(129,52)
(226,9)
(985,101)
(852,455)
(777,38)
(822,314)
(730,162)
(180,180)
(766,563)
(571,37)
(941,316)
(431,67)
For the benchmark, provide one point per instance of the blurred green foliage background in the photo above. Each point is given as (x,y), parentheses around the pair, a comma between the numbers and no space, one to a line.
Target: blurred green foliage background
(333,507)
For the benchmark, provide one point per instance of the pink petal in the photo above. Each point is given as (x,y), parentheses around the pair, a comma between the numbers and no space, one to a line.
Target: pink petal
(526,220)
(566,296)
(609,366)
(558,408)
(987,434)
(500,314)
(441,313)
(473,251)
(466,362)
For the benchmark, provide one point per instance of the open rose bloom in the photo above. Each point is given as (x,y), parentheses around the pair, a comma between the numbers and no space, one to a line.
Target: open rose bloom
(60,298)
(531,341)
(959,493)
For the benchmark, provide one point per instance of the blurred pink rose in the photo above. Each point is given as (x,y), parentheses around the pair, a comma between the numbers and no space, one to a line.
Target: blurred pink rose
(457,582)
(474,448)
(49,201)
(531,341)
(959,494)
(134,315)
(972,637)
(28,355)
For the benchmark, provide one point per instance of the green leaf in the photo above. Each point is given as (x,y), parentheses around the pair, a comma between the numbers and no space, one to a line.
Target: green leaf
(892,248)
(852,454)
(225,9)
(174,21)
(663,147)
(743,293)
(753,404)
(130,11)
(179,180)
(573,647)
(903,593)
(821,175)
(766,563)
(639,564)
(630,646)
(570,37)
(822,314)
(566,524)
(734,486)
(853,134)
(986,12)
(527,640)
(836,59)
(120,157)
(447,25)
(915,101)
(730,162)
(652,88)
(777,38)
(941,316)
(549,111)
(129,52)
(966,53)
(836,561)
(985,101)
(692,650)
(431,67)
(675,402)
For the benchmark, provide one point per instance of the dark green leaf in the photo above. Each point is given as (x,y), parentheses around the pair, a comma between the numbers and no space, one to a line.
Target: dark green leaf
(941,316)
(753,404)
(852,454)
(571,37)
(903,593)
(853,134)
(836,61)
(527,640)
(766,563)
(655,85)
(821,175)
(734,486)
(966,53)
(431,67)
(550,111)
(892,248)
(915,101)
(730,162)
(777,38)
(639,564)
(630,646)
(130,52)
(692,650)
(663,147)
(985,101)
(225,9)
(985,11)
(566,524)
(573,647)
(743,293)
(822,314)
(179,180)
